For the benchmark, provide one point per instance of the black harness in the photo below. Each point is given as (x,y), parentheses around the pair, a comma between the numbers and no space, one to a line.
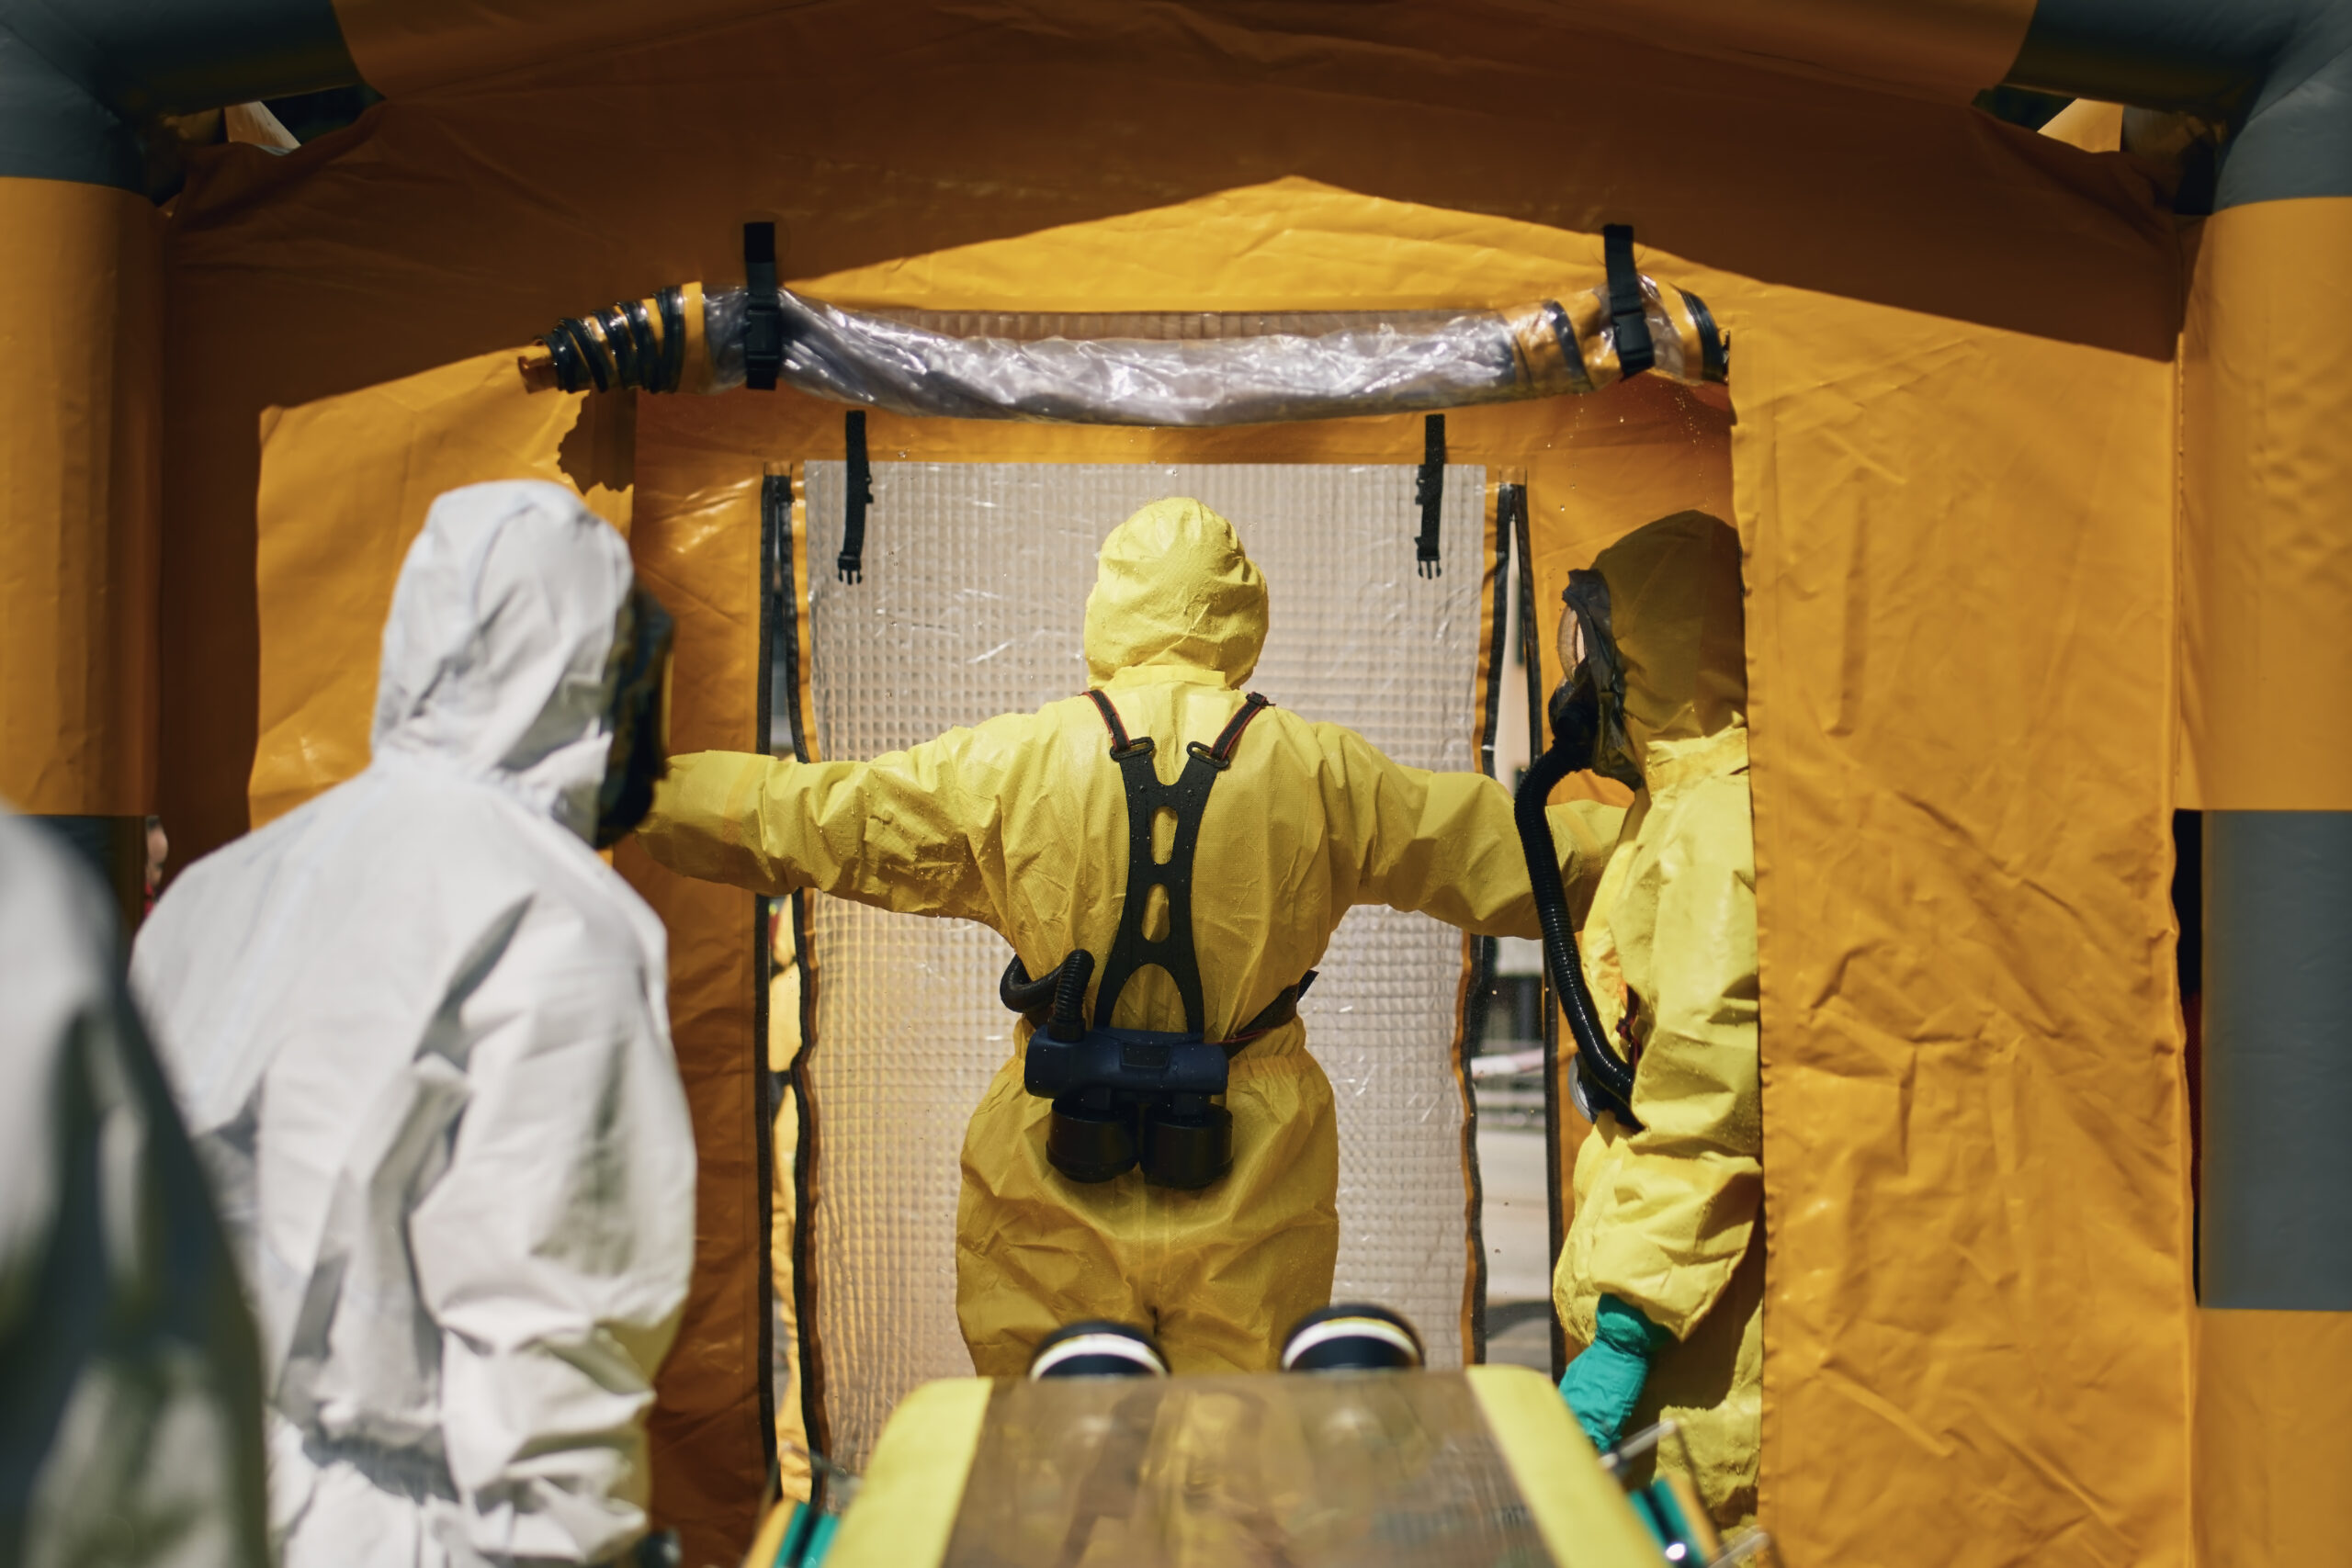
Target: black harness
(1124,1097)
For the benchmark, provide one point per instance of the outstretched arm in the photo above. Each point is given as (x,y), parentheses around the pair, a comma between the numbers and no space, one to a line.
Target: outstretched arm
(913,830)
(1444,844)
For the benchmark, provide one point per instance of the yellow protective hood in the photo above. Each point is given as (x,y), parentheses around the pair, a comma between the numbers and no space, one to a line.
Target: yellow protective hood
(1677,616)
(1175,588)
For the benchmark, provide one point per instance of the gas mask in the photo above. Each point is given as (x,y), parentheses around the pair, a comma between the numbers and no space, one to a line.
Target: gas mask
(638,674)
(1588,714)
(1587,708)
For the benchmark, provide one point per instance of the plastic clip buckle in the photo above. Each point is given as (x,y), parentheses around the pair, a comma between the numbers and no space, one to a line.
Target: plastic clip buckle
(1428,490)
(857,489)
(1635,352)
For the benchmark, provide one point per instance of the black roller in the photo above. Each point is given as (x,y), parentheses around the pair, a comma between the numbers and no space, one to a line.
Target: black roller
(1097,1347)
(1354,1338)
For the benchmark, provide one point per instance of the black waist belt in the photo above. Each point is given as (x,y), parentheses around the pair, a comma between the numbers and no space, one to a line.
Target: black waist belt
(1272,1016)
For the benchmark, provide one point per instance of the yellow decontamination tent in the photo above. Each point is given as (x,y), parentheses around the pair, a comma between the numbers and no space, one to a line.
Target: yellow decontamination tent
(2041,516)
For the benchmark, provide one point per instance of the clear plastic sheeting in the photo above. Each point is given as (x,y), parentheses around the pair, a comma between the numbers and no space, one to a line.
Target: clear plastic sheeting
(1207,369)
(1148,368)
(972,605)
(1304,1470)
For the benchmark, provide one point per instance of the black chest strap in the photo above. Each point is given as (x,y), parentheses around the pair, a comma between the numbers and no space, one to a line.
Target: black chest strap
(1187,799)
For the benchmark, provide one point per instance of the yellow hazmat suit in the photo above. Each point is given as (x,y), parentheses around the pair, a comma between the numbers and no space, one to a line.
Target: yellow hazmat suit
(1020,824)
(1667,1219)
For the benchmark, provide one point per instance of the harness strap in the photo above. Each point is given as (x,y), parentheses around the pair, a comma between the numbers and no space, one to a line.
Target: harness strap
(1033,999)
(1119,744)
(1186,800)
(1219,753)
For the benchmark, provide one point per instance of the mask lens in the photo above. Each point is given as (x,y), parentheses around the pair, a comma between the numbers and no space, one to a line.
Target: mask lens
(1575,712)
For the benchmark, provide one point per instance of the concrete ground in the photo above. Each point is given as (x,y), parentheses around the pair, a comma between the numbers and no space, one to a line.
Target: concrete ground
(1517,1222)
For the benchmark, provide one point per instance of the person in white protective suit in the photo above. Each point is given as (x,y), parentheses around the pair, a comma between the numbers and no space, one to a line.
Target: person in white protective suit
(129,1391)
(421,1034)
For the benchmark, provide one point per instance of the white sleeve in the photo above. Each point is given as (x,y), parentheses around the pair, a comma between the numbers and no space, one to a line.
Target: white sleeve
(553,1253)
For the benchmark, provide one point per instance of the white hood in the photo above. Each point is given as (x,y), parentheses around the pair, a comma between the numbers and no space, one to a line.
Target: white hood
(421,1032)
(498,651)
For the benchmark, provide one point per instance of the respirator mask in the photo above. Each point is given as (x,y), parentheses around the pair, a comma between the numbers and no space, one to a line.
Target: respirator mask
(1587,708)
(638,674)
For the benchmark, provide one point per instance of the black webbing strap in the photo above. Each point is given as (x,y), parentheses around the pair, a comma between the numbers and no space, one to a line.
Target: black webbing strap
(762,309)
(1428,490)
(1172,953)
(1218,753)
(1119,743)
(1635,353)
(857,487)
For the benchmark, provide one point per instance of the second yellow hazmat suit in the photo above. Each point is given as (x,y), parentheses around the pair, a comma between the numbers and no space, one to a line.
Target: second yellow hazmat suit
(1020,824)
(1667,1218)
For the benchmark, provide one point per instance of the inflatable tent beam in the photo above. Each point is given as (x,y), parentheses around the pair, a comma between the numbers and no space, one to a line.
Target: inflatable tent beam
(2267,600)
(83,83)
(81,377)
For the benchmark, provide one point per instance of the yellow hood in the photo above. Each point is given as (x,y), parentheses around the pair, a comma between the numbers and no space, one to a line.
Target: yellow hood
(1678,620)
(1175,589)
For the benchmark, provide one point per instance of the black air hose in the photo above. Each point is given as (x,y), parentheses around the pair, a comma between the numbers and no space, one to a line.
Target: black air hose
(1068,1021)
(1611,1073)
(1064,987)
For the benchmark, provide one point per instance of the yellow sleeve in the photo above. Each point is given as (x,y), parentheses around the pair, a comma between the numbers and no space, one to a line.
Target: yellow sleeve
(1444,844)
(1686,1194)
(1586,832)
(916,831)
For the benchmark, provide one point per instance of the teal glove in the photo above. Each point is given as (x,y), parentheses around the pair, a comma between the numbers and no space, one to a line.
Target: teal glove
(1605,1379)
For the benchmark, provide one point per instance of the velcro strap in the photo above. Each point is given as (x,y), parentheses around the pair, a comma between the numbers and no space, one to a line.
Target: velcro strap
(762,309)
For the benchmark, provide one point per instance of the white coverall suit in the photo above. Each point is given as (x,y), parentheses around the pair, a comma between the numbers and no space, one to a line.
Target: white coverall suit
(130,1395)
(421,1034)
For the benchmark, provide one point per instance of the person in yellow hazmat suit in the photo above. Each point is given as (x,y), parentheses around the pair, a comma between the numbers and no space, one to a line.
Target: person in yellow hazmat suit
(1022,824)
(1661,1279)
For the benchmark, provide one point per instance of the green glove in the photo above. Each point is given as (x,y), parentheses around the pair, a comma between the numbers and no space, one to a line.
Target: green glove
(1606,1378)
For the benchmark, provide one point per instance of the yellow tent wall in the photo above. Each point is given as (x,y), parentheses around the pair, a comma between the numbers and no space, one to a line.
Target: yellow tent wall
(1951,398)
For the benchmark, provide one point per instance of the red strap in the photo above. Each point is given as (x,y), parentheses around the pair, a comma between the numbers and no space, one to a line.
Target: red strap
(1111,717)
(1230,737)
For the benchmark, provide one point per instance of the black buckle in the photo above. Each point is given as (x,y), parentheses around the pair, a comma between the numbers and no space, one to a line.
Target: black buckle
(1203,752)
(1635,352)
(858,494)
(1429,491)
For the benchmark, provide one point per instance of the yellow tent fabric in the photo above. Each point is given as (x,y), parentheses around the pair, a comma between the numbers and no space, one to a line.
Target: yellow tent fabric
(345,485)
(77,668)
(1947,449)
